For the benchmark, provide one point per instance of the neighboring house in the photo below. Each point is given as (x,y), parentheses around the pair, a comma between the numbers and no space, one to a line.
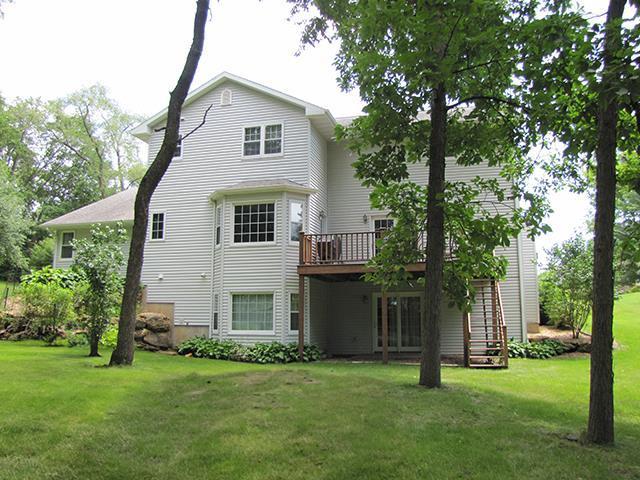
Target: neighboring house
(225,246)
(77,224)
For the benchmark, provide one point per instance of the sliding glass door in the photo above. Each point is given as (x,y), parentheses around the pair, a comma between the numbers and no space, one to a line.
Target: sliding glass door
(403,310)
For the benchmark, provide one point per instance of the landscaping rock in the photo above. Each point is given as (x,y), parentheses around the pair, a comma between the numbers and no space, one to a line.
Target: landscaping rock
(156,322)
(160,340)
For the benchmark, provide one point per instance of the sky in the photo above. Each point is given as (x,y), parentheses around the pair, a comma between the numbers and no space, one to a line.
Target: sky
(136,48)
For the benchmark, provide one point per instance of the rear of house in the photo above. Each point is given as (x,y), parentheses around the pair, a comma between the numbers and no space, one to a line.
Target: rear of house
(259,227)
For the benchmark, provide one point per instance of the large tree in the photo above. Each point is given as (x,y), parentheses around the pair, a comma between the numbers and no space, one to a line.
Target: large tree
(14,224)
(585,92)
(124,351)
(456,60)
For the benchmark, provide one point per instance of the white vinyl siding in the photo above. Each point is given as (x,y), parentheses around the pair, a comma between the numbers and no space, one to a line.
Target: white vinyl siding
(80,233)
(337,315)
(213,161)
(177,154)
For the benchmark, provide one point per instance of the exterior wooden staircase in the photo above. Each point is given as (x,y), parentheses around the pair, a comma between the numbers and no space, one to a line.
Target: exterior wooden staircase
(485,331)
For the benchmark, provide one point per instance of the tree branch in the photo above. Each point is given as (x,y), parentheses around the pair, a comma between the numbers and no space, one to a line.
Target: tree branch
(204,120)
(490,98)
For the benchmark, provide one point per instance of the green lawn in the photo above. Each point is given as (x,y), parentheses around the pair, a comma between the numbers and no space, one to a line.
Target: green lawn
(172,418)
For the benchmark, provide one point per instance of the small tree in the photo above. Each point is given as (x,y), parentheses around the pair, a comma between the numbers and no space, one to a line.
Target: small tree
(100,258)
(568,283)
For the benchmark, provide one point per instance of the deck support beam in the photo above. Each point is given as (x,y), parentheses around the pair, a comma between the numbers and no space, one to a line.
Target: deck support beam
(385,329)
(301,309)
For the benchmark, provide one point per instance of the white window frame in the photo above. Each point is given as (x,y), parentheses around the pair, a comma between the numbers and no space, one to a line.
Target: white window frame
(303,204)
(73,250)
(263,128)
(254,244)
(215,318)
(164,227)
(253,332)
(289,329)
(218,235)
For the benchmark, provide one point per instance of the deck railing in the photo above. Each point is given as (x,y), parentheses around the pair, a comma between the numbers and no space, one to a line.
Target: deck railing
(345,248)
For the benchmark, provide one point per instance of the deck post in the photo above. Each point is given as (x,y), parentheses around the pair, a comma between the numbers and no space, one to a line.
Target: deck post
(301,304)
(385,329)
(466,337)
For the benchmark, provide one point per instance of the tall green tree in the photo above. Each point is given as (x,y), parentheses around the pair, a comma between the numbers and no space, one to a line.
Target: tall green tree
(99,257)
(14,225)
(124,351)
(584,84)
(567,285)
(456,60)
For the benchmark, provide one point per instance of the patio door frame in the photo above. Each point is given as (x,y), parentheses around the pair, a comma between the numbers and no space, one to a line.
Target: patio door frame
(374,314)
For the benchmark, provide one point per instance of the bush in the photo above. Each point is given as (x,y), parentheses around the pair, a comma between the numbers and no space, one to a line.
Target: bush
(275,352)
(77,339)
(42,253)
(48,307)
(109,338)
(65,278)
(544,349)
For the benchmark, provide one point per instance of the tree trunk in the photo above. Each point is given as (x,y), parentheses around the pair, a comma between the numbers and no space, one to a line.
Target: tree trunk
(600,427)
(93,344)
(430,361)
(123,353)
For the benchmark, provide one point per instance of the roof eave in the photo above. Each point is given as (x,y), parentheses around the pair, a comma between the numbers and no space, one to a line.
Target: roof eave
(261,189)
(57,226)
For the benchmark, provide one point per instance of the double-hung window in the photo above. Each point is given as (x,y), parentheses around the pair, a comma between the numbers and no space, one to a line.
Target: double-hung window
(218,225)
(262,140)
(157,226)
(66,248)
(252,312)
(296,209)
(294,312)
(254,223)
(216,311)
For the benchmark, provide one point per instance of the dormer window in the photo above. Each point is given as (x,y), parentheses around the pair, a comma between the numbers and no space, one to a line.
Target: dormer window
(226,97)
(262,140)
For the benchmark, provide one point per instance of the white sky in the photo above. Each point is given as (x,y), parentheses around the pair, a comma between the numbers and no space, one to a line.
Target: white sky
(136,48)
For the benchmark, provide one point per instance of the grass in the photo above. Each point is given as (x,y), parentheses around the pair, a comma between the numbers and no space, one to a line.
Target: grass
(174,417)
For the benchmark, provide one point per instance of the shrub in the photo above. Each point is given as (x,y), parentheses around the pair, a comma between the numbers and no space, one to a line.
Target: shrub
(544,349)
(109,338)
(77,339)
(48,307)
(65,278)
(42,253)
(100,258)
(275,352)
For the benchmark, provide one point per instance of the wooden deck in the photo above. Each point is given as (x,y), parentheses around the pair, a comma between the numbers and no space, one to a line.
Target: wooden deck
(344,256)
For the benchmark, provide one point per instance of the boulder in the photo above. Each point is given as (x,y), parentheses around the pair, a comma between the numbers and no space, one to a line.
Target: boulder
(138,335)
(160,340)
(156,322)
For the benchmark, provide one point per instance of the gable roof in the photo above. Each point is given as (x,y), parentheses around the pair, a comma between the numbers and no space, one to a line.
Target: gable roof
(117,207)
(321,117)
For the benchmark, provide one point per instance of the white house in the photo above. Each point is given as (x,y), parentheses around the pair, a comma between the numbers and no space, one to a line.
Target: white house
(224,246)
